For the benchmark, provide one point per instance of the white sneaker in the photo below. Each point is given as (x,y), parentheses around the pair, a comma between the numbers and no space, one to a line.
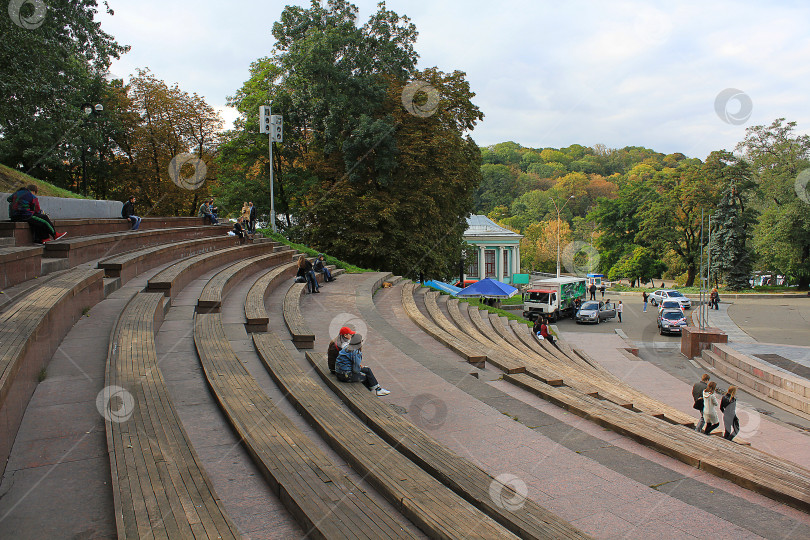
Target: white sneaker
(382,391)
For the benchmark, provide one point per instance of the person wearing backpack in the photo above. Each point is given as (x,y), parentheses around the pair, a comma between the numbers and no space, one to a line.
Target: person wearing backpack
(349,367)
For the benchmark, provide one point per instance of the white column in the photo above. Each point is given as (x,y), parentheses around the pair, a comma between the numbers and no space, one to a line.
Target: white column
(498,262)
(517,260)
(480,262)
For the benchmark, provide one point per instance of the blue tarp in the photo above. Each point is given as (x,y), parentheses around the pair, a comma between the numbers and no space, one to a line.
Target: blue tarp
(442,286)
(489,288)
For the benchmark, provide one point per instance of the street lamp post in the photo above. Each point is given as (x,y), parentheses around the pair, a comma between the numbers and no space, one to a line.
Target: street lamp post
(88,110)
(558,228)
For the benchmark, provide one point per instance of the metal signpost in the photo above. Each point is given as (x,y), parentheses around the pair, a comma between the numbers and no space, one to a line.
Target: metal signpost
(273,125)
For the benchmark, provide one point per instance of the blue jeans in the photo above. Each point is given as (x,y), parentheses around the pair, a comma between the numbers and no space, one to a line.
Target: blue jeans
(312,282)
(365,376)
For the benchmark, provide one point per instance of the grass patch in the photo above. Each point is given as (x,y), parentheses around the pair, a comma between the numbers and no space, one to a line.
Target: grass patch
(11,179)
(278,237)
(42,375)
(509,315)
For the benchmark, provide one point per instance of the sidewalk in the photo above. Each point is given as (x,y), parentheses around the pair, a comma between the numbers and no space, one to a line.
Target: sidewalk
(720,319)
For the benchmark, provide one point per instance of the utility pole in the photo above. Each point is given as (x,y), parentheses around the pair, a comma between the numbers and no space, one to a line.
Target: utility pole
(273,126)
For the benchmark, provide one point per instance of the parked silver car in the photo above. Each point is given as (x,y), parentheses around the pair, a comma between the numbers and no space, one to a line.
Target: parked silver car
(670,294)
(595,312)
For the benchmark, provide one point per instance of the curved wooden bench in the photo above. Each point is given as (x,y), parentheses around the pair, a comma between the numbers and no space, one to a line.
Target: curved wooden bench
(463,477)
(320,497)
(773,477)
(409,304)
(434,508)
(160,488)
(504,362)
(87,248)
(30,332)
(171,280)
(130,264)
(210,299)
(302,336)
(255,312)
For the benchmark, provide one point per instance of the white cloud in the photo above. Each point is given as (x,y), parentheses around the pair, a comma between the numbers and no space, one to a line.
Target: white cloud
(545,73)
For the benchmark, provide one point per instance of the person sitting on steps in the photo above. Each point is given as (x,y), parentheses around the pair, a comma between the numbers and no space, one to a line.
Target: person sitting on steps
(336,345)
(320,266)
(238,230)
(349,366)
(128,213)
(305,271)
(23,205)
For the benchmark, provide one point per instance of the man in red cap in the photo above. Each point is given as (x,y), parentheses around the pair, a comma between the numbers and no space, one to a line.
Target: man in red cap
(344,336)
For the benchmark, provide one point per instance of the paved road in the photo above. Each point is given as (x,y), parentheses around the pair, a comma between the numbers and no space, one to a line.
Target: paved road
(785,321)
(664,351)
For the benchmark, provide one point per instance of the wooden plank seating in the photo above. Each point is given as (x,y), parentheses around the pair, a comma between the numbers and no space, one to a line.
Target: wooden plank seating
(318,494)
(773,477)
(30,332)
(255,311)
(18,264)
(463,477)
(171,280)
(498,358)
(210,299)
(474,357)
(130,264)
(21,232)
(430,505)
(302,335)
(86,248)
(160,488)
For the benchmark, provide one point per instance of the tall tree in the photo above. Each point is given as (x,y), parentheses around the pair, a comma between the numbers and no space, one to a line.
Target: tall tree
(777,155)
(51,63)
(733,222)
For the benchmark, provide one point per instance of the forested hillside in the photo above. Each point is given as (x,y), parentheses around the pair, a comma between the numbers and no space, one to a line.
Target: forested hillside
(635,213)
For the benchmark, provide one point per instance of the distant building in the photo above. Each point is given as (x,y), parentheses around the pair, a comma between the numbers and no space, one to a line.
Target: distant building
(498,250)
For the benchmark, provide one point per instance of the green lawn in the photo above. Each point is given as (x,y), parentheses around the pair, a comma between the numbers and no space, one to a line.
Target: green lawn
(278,237)
(11,179)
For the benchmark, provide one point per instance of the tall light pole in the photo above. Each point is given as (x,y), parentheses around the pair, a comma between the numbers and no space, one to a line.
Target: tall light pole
(88,109)
(558,228)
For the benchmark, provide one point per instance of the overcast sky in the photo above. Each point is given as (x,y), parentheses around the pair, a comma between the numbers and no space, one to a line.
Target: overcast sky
(619,73)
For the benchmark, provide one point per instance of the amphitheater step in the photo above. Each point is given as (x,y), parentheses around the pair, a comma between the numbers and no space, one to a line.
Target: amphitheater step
(50,264)
(755,386)
(7,242)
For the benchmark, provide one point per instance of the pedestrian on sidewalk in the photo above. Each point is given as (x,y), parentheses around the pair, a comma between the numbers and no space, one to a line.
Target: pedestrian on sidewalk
(592,290)
(644,297)
(338,344)
(697,395)
(710,404)
(128,213)
(602,290)
(714,299)
(252,219)
(349,366)
(23,205)
(728,406)
(619,309)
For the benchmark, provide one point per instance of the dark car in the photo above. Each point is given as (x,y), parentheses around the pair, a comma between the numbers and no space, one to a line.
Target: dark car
(670,321)
(595,312)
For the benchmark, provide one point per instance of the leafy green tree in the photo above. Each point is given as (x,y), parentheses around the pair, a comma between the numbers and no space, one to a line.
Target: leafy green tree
(49,70)
(498,187)
(776,156)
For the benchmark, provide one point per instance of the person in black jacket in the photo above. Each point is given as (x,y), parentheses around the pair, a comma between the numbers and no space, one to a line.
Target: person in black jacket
(251,226)
(305,271)
(128,212)
(320,266)
(238,230)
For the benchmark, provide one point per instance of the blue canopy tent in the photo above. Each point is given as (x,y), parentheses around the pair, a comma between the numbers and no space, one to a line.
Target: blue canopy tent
(488,288)
(442,286)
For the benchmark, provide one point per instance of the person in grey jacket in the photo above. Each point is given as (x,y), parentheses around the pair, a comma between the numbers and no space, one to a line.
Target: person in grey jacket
(728,406)
(710,404)
(697,395)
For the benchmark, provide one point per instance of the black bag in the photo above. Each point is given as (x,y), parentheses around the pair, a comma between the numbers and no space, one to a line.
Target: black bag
(698,406)
(300,279)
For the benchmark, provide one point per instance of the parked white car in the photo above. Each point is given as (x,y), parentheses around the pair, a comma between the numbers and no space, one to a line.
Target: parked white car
(670,294)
